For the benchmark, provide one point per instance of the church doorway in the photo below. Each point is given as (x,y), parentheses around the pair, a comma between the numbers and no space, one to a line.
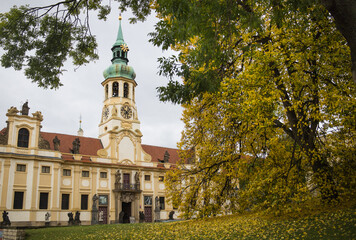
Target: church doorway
(103,209)
(148,213)
(126,208)
(103,215)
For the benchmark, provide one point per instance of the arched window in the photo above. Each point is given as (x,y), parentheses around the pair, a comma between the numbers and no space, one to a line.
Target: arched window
(106,91)
(126,90)
(115,89)
(22,140)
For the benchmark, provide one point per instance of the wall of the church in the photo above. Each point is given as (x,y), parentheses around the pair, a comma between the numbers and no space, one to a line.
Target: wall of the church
(48,176)
(126,149)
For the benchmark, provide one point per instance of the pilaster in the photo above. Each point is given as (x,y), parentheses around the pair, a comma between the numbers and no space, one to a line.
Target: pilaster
(75,188)
(55,192)
(5,183)
(94,179)
(34,194)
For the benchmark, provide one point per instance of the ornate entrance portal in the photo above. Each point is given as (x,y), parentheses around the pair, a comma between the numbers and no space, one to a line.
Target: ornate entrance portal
(126,197)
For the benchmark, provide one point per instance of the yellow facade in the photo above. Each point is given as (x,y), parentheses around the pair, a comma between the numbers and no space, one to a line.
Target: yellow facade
(39,175)
(43,172)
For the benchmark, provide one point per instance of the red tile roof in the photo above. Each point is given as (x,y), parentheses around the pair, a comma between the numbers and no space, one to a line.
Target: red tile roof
(90,146)
(157,153)
(3,131)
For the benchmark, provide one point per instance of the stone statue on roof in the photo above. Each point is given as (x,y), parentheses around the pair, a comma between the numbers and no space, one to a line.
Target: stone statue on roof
(25,109)
(56,143)
(38,115)
(166,156)
(12,111)
(76,146)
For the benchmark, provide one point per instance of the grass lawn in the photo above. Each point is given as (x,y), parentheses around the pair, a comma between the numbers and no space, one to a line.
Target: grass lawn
(339,224)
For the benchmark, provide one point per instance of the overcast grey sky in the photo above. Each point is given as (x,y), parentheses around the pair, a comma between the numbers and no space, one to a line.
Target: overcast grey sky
(82,93)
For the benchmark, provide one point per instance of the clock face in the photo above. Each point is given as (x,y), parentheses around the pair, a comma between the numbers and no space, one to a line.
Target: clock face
(106,113)
(126,112)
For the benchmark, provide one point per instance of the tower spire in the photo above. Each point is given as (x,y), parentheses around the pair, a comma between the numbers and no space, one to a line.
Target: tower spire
(120,37)
(119,66)
(80,130)
(120,48)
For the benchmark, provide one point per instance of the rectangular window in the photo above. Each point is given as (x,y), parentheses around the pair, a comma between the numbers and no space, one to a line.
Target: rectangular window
(161,203)
(43,200)
(161,178)
(84,202)
(18,200)
(66,172)
(21,167)
(126,181)
(46,169)
(147,177)
(126,178)
(85,173)
(103,174)
(65,201)
(103,199)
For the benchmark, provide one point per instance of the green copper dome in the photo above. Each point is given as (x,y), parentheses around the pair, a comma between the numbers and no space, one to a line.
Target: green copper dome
(119,70)
(119,67)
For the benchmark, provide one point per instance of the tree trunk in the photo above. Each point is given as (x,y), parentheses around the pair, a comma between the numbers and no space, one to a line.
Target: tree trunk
(322,176)
(344,13)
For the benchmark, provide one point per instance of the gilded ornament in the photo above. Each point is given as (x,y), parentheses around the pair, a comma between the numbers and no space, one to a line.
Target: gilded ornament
(124,47)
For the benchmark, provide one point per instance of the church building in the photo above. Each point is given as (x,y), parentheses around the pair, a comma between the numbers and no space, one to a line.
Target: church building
(110,179)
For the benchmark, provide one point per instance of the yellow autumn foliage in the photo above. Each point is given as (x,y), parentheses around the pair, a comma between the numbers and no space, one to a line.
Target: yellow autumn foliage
(280,128)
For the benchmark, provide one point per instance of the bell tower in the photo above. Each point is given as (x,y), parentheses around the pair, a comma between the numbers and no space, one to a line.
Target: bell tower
(119,118)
